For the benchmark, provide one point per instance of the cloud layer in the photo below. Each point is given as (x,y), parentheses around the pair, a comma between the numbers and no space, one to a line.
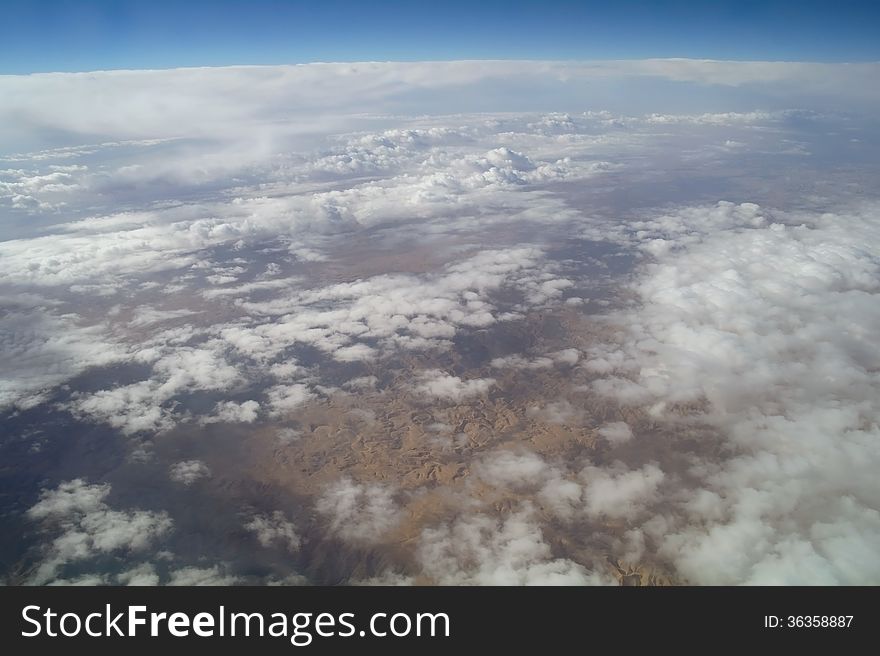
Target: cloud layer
(84,527)
(767,321)
(403,310)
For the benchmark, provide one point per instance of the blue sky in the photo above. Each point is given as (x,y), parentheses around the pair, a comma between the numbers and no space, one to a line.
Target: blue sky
(69,35)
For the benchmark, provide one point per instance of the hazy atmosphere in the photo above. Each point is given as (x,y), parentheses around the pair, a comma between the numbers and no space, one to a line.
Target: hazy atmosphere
(599,321)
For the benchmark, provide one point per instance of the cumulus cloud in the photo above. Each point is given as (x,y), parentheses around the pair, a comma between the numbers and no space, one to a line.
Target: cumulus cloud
(520,362)
(286,371)
(141,575)
(146,316)
(354,353)
(569,356)
(42,350)
(619,492)
(613,491)
(357,512)
(556,412)
(232,412)
(286,398)
(214,576)
(485,187)
(82,526)
(145,405)
(440,385)
(562,497)
(484,550)
(398,311)
(509,468)
(188,472)
(361,383)
(616,432)
(274,530)
(451,176)
(766,321)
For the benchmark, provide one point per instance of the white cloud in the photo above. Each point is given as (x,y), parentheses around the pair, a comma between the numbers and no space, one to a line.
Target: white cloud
(144,406)
(188,472)
(147,316)
(509,468)
(616,432)
(361,383)
(519,362)
(440,385)
(214,576)
(286,371)
(358,512)
(249,288)
(613,491)
(82,580)
(83,526)
(111,103)
(556,412)
(397,310)
(132,408)
(275,530)
(354,353)
(142,575)
(232,412)
(619,492)
(484,550)
(41,350)
(287,398)
(569,356)
(562,497)
(768,323)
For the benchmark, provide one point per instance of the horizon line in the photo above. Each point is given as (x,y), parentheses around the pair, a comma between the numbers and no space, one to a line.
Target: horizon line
(449,61)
